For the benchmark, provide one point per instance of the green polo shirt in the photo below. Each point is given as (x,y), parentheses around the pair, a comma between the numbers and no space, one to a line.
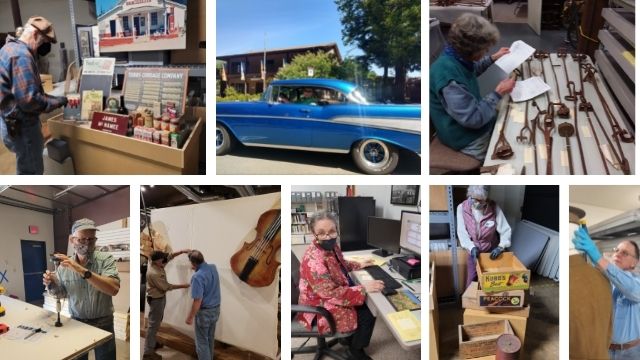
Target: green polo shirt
(86,301)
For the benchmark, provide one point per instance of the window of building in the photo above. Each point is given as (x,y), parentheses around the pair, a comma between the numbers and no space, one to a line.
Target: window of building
(154,19)
(235,67)
(271,66)
(125,24)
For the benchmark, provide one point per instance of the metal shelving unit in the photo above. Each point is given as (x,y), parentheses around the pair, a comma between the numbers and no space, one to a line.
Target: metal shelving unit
(616,57)
(449,217)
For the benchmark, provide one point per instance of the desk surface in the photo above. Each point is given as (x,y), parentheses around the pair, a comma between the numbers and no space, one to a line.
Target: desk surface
(378,303)
(67,342)
(523,153)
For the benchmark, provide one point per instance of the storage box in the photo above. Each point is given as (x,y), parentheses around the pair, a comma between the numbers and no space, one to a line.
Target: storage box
(444,270)
(475,340)
(47,82)
(475,298)
(502,274)
(518,323)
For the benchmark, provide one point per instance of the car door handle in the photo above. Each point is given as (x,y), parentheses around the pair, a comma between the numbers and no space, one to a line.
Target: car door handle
(306,111)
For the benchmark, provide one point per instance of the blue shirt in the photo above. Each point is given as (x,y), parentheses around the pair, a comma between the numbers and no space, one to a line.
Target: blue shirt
(205,285)
(626,304)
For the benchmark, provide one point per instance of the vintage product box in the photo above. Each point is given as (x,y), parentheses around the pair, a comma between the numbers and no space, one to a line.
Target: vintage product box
(470,300)
(518,323)
(72,110)
(502,274)
(474,298)
(475,340)
(91,102)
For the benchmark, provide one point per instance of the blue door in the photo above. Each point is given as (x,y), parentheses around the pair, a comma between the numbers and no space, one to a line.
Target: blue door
(34,264)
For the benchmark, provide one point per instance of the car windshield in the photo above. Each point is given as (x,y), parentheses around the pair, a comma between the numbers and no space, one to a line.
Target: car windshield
(357,97)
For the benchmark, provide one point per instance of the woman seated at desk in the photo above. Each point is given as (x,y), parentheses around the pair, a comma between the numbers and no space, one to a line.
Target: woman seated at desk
(325,281)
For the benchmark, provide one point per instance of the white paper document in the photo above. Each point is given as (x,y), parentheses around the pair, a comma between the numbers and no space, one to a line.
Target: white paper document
(528,89)
(518,53)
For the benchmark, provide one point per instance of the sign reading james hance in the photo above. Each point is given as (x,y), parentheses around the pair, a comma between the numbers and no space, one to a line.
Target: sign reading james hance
(111,123)
(147,86)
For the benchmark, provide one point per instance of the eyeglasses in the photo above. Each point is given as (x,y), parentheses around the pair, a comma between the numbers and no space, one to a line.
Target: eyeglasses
(85,240)
(623,252)
(330,235)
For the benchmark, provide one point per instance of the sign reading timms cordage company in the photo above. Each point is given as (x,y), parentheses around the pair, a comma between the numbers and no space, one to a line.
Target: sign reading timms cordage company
(148,86)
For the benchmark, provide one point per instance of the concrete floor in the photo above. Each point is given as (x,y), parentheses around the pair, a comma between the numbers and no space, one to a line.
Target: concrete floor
(541,339)
(383,346)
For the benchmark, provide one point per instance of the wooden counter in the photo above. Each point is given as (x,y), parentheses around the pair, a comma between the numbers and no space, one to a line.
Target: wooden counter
(99,153)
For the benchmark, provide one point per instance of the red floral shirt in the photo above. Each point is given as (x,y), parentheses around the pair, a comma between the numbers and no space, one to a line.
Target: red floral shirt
(323,283)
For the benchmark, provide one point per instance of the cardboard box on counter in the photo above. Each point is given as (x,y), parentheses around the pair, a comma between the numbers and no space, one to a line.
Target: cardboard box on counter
(502,274)
(480,339)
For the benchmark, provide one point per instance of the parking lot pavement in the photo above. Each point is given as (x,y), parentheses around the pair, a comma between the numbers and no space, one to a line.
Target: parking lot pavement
(265,161)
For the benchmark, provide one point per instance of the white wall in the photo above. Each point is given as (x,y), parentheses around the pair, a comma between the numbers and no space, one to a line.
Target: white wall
(381,193)
(14,223)
(56,11)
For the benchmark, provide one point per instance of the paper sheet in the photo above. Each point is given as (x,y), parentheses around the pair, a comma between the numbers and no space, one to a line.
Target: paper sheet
(362,258)
(518,53)
(529,88)
(406,324)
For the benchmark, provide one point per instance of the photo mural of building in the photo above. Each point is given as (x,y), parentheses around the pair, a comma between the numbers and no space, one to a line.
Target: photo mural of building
(142,25)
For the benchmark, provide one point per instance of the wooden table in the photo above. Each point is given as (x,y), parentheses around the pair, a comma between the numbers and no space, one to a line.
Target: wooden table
(523,154)
(67,342)
(99,153)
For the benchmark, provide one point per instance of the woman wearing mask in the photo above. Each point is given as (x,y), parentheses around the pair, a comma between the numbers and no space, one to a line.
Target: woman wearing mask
(325,281)
(482,227)
(625,289)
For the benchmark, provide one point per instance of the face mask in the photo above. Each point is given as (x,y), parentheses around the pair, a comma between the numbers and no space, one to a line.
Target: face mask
(328,244)
(44,49)
(478,205)
(83,250)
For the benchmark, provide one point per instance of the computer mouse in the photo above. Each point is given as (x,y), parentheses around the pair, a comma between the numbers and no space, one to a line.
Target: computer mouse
(388,291)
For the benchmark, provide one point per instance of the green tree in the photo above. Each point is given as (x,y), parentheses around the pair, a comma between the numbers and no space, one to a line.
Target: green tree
(325,65)
(388,32)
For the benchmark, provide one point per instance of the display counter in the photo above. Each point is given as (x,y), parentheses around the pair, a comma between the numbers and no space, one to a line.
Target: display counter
(99,153)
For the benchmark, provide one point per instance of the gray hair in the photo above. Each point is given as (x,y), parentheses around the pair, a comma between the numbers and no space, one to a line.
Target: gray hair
(322,215)
(471,34)
(479,191)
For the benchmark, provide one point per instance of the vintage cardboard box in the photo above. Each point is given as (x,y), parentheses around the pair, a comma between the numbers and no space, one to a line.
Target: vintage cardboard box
(502,274)
(518,323)
(474,298)
(475,340)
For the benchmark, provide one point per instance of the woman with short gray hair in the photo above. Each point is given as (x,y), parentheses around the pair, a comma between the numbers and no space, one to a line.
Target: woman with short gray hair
(462,117)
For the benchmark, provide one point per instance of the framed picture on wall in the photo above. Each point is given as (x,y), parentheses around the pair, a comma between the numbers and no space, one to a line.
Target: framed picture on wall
(405,194)
(85,42)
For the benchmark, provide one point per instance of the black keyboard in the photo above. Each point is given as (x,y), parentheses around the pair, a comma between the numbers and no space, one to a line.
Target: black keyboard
(378,273)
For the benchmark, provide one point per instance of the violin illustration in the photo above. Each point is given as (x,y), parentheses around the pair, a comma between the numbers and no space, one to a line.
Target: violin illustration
(255,263)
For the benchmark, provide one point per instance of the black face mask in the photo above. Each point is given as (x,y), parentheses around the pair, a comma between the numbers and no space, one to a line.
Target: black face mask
(328,244)
(44,49)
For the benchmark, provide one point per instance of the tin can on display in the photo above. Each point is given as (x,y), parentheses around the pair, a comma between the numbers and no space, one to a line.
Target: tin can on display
(156,137)
(165,138)
(175,140)
(175,125)
(508,347)
(157,123)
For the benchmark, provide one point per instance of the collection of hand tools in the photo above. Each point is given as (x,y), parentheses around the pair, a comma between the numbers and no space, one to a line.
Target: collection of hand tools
(544,119)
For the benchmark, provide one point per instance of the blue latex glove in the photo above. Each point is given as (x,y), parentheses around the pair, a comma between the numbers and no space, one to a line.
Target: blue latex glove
(583,242)
(475,252)
(496,252)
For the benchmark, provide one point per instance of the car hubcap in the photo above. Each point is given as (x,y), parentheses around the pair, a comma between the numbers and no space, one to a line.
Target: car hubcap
(219,139)
(375,153)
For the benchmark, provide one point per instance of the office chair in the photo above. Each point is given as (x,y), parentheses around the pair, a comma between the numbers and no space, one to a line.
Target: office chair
(323,347)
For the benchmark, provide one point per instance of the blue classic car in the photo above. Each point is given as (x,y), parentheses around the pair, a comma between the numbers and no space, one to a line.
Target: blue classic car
(323,115)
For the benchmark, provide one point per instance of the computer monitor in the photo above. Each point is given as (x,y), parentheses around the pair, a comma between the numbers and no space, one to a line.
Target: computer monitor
(410,231)
(384,234)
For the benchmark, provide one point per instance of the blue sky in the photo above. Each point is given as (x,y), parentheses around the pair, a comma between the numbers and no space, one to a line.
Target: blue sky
(106,5)
(241,25)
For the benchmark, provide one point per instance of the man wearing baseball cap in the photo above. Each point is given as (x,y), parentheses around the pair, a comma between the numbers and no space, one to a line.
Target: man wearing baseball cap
(89,279)
(157,287)
(22,98)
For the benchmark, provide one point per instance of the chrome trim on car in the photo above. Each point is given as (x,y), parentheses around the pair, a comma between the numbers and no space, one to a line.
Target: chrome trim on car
(397,124)
(316,149)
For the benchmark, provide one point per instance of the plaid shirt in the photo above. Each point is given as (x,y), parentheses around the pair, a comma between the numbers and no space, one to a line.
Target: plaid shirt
(21,94)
